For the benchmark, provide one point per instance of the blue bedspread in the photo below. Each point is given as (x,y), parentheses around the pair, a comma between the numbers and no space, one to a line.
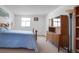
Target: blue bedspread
(17,39)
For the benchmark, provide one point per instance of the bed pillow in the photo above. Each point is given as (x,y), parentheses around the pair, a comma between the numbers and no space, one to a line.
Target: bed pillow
(2,29)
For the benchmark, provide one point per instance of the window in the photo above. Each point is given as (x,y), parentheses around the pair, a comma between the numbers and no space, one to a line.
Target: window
(25,22)
(56,22)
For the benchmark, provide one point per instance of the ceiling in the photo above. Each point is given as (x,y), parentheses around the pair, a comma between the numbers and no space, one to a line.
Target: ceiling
(31,9)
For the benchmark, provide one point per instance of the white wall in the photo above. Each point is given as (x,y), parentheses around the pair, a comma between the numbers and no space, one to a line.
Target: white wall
(57,12)
(11,15)
(38,25)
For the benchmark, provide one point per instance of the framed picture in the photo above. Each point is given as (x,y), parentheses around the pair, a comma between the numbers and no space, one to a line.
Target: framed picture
(35,18)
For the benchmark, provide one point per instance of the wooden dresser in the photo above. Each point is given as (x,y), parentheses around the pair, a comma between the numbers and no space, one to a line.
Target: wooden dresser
(59,36)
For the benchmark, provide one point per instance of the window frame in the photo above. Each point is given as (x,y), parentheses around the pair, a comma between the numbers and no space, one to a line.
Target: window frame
(56,21)
(25,21)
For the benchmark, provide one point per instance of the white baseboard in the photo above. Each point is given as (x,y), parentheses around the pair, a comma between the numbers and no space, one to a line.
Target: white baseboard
(41,35)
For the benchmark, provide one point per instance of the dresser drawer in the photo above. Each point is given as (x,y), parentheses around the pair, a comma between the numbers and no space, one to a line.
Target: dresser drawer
(53,38)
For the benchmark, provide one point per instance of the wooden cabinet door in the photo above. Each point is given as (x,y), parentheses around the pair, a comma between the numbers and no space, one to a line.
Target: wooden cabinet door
(64,25)
(65,41)
(64,32)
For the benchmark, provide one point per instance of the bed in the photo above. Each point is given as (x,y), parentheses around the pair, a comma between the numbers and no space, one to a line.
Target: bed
(18,39)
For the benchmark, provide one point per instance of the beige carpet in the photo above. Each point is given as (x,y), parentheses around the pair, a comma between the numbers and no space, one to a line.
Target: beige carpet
(43,47)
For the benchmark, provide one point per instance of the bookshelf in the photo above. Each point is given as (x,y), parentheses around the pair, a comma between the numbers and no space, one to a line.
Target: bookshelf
(76,28)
